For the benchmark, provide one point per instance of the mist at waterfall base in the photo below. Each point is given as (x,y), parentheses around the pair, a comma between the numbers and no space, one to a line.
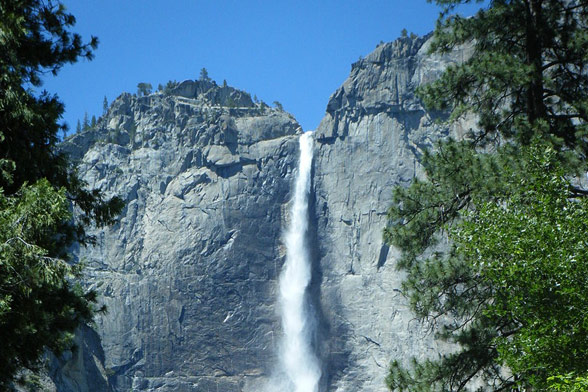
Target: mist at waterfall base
(299,366)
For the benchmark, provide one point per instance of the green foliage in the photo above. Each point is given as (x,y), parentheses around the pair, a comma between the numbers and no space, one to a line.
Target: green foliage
(453,178)
(512,283)
(144,89)
(443,288)
(526,66)
(493,240)
(529,246)
(110,372)
(40,304)
(33,383)
(170,86)
(279,106)
(204,75)
(568,383)
(105,106)
(86,122)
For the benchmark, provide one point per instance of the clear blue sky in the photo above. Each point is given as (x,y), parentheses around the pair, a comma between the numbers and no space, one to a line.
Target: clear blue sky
(297,52)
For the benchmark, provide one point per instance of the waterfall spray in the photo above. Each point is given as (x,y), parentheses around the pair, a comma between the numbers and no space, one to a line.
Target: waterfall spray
(298,359)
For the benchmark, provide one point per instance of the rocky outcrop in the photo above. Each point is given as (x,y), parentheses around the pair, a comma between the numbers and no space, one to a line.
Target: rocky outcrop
(189,272)
(79,369)
(208,92)
(370,140)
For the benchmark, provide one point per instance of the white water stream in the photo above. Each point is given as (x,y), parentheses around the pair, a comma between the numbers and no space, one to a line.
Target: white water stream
(298,359)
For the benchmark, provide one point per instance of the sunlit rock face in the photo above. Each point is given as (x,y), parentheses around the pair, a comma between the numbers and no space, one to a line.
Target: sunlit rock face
(370,140)
(190,272)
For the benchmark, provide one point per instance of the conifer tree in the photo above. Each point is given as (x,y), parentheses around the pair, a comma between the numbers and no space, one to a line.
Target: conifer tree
(144,89)
(40,302)
(104,106)
(170,86)
(204,75)
(86,121)
(527,84)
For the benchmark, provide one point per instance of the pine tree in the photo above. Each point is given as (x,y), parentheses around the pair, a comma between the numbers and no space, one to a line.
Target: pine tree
(85,122)
(144,89)
(204,75)
(278,106)
(78,126)
(40,302)
(93,121)
(170,86)
(526,82)
(105,106)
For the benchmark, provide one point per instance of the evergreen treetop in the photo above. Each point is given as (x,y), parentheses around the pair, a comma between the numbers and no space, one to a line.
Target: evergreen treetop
(528,67)
(204,75)
(144,89)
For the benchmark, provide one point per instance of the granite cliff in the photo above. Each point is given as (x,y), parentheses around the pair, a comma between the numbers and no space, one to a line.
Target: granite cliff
(189,273)
(369,141)
(198,243)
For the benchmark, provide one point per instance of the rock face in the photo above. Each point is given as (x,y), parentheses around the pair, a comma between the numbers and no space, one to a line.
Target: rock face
(80,369)
(189,273)
(369,141)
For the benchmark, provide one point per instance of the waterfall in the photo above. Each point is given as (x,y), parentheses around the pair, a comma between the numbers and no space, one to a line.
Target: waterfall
(298,359)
